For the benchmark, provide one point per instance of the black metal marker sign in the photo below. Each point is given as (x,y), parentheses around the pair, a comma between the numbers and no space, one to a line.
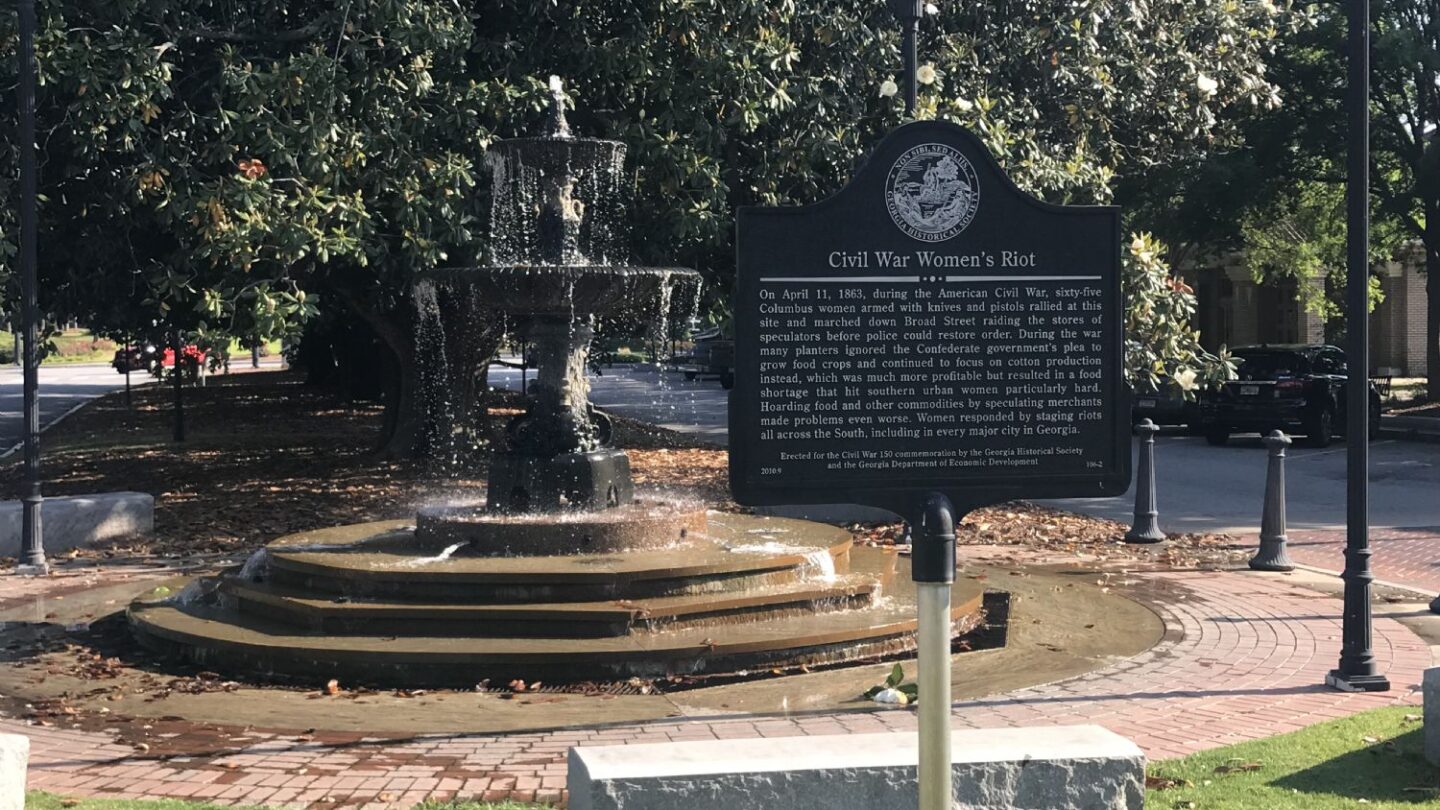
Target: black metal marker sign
(929,329)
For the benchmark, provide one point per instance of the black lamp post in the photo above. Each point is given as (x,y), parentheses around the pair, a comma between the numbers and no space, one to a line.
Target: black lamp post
(909,12)
(32,550)
(1357,671)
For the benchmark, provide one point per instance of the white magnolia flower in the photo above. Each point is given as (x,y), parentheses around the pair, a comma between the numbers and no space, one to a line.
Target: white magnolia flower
(1185,378)
(964,104)
(926,74)
(932,9)
(888,88)
(1206,85)
(891,697)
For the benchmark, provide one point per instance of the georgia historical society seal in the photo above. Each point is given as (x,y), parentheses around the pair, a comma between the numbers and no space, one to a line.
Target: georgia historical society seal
(932,192)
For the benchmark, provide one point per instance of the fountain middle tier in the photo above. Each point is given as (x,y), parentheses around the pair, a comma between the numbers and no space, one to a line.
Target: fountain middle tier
(571,291)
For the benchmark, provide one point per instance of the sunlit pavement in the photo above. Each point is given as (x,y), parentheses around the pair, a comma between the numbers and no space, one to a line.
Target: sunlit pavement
(62,387)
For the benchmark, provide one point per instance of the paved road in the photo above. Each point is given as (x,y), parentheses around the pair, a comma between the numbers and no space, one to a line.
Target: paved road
(1199,487)
(698,407)
(62,387)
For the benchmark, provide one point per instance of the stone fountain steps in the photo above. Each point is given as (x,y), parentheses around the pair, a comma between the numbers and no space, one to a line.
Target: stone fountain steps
(343,616)
(235,642)
(373,604)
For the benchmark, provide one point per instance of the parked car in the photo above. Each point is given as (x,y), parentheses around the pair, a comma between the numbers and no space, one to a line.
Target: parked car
(134,358)
(713,354)
(1164,404)
(1295,388)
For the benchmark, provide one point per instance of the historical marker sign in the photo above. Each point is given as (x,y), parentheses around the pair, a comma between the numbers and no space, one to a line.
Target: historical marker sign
(931,328)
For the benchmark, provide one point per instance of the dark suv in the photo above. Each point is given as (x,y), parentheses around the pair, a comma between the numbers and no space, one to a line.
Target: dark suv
(714,353)
(1291,388)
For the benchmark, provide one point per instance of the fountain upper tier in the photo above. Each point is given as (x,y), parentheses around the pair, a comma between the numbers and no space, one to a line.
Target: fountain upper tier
(557,229)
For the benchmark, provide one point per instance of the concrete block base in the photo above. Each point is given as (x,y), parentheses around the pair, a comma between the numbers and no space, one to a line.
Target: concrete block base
(14,757)
(78,520)
(1061,768)
(1431,689)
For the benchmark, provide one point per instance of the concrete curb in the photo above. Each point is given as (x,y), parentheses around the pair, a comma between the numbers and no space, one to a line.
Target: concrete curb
(1413,428)
(1383,583)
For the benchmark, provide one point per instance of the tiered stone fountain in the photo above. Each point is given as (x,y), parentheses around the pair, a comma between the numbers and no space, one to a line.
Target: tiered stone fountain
(565,573)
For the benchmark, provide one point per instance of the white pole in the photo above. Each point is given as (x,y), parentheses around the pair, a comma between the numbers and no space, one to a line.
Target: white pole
(934,681)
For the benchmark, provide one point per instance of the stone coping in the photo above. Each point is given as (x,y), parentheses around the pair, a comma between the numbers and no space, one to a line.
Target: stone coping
(846,751)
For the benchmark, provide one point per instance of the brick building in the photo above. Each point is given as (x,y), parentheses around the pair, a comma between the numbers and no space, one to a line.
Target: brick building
(1232,310)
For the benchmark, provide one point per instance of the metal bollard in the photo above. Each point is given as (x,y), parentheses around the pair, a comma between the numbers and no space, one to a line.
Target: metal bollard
(1145,529)
(1272,556)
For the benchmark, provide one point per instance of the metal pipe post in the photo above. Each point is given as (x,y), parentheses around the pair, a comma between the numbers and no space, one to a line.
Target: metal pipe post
(129,402)
(178,382)
(934,681)
(1358,671)
(1272,555)
(32,550)
(1145,528)
(933,569)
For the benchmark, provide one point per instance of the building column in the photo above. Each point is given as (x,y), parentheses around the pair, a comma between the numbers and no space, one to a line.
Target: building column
(1244,317)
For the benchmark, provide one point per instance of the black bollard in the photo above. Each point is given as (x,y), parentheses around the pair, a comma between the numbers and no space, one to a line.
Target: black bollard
(1272,556)
(1145,528)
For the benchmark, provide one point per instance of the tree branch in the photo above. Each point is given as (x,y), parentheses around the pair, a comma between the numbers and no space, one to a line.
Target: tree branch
(301,34)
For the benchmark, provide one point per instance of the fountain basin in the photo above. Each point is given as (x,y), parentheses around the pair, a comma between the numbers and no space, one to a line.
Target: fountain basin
(374,604)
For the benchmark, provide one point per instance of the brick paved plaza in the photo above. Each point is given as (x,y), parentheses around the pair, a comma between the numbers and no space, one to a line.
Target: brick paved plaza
(1244,656)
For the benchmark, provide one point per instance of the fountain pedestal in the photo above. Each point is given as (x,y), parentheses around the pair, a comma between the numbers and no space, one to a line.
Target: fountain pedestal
(521,483)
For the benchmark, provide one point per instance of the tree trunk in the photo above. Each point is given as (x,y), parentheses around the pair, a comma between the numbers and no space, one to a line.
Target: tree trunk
(401,434)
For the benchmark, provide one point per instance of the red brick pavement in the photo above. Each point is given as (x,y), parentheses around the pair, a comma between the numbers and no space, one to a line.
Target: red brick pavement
(1243,657)
(1404,556)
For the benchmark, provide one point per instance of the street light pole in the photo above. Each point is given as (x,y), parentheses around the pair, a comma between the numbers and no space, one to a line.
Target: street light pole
(1357,671)
(32,551)
(909,13)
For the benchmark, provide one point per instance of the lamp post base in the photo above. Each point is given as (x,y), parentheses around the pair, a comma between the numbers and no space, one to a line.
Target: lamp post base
(1357,683)
(40,570)
(1272,557)
(1145,534)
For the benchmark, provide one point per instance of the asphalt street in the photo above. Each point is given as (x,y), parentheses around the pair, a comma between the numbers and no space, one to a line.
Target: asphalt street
(62,387)
(1198,487)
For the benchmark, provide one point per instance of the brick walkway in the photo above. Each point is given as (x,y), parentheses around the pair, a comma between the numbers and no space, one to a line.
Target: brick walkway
(1243,657)
(1404,556)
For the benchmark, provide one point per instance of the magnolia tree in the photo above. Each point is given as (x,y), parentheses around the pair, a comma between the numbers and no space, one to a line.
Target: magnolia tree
(224,166)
